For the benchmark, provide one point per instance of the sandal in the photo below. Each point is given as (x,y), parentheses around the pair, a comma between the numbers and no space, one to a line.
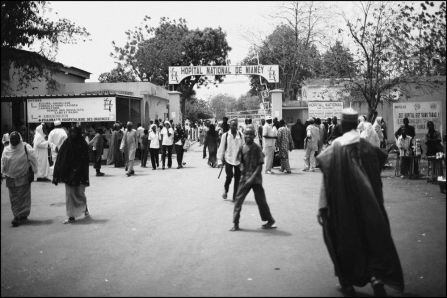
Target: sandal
(69,220)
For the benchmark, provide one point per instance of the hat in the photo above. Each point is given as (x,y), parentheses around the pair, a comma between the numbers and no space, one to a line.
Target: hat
(167,122)
(349,115)
(57,123)
(268,118)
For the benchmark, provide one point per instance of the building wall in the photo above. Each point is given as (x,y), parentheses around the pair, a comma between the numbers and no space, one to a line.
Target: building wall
(155,96)
(325,90)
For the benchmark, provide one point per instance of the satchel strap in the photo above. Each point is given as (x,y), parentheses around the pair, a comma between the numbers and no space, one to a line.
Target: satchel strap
(26,151)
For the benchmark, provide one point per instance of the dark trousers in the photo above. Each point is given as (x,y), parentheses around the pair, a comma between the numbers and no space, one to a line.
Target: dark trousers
(260,141)
(261,201)
(237,177)
(144,154)
(97,162)
(166,150)
(154,157)
(179,152)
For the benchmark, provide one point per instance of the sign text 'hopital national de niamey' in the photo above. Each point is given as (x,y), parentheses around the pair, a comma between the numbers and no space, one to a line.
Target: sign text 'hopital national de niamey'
(178,73)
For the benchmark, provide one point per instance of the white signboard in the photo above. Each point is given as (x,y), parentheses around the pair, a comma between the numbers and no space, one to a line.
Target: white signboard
(418,114)
(325,109)
(85,109)
(178,73)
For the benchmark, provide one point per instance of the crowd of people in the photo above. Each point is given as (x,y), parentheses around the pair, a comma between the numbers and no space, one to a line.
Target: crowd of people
(353,150)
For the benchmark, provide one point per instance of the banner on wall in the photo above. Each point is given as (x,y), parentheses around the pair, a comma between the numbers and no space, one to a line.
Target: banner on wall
(418,114)
(85,109)
(325,109)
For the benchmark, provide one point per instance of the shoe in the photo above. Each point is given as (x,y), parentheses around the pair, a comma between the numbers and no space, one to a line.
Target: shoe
(179,167)
(153,169)
(132,172)
(128,174)
(268,172)
(348,291)
(224,196)
(100,174)
(184,163)
(305,170)
(378,288)
(281,170)
(235,228)
(15,222)
(269,225)
(289,172)
(312,170)
(69,220)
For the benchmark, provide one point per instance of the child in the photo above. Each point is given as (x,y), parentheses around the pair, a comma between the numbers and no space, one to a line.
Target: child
(252,160)
(144,148)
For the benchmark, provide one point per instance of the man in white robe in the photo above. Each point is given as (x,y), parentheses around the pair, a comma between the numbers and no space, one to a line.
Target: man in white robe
(56,138)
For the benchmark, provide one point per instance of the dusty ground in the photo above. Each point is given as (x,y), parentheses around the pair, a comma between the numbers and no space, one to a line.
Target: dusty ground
(165,233)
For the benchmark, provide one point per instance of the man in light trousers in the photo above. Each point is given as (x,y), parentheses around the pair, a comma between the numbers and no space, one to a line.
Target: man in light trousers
(311,145)
(269,134)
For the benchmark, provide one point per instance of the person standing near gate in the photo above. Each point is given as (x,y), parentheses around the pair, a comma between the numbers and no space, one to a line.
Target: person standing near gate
(269,132)
(97,144)
(167,143)
(252,159)
(351,211)
(228,154)
(129,147)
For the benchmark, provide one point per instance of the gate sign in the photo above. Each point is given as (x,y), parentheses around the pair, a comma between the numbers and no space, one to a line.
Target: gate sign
(325,109)
(84,109)
(418,114)
(178,73)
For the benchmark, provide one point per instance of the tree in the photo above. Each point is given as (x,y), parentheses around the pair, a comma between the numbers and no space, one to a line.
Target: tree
(247,102)
(23,24)
(198,109)
(149,51)
(118,74)
(292,45)
(220,104)
(338,62)
(395,47)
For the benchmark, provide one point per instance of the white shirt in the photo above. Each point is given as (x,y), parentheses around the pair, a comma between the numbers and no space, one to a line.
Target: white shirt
(167,140)
(233,147)
(154,138)
(270,131)
(140,132)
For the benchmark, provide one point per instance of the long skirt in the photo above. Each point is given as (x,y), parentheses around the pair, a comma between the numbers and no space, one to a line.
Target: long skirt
(20,197)
(76,200)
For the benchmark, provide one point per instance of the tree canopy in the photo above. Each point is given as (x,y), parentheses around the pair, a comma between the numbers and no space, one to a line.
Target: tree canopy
(149,51)
(23,24)
(118,74)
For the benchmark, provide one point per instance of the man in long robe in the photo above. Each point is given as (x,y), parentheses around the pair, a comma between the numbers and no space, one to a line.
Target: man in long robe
(129,146)
(355,224)
(115,156)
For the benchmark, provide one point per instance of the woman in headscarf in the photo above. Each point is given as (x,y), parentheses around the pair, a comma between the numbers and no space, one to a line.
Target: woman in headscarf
(211,142)
(41,149)
(368,133)
(72,168)
(378,128)
(16,159)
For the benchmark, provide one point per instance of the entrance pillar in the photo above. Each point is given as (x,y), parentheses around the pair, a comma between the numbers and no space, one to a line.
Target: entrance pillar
(174,106)
(277,103)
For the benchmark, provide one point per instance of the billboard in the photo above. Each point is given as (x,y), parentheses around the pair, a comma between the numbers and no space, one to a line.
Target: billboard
(325,109)
(418,114)
(178,73)
(85,109)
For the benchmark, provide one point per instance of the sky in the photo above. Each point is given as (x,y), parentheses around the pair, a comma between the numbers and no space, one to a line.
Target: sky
(242,21)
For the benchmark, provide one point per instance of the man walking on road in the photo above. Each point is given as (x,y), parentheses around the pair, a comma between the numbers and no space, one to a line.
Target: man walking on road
(355,224)
(228,154)
(252,159)
(56,138)
(269,132)
(311,145)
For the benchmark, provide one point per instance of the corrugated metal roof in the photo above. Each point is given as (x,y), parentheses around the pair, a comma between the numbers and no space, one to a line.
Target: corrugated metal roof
(78,95)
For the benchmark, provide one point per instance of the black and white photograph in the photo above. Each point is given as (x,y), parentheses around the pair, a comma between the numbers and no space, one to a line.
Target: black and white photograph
(223,149)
